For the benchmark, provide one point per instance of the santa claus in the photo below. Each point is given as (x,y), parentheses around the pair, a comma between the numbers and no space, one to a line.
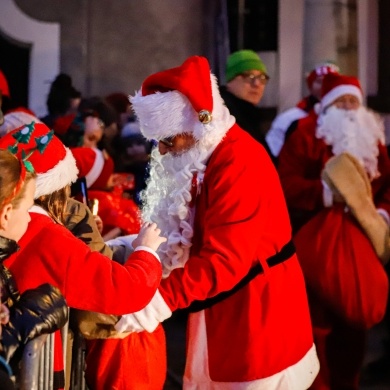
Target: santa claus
(215,194)
(335,173)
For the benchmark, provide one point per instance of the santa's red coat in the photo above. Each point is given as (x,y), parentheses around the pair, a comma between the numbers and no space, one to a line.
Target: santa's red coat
(253,337)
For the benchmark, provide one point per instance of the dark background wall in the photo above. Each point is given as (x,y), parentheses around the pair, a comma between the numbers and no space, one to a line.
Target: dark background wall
(111,45)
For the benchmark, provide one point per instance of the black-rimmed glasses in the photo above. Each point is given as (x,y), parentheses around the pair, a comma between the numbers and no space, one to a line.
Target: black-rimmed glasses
(251,78)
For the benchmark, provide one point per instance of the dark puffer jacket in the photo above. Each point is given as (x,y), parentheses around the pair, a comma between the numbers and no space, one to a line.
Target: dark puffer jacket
(37,311)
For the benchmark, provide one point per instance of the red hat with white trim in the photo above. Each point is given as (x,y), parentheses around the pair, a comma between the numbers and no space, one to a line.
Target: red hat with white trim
(321,70)
(180,100)
(53,162)
(95,165)
(336,85)
(4,89)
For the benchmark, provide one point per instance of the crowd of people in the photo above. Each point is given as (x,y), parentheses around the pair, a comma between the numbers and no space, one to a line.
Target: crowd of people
(274,241)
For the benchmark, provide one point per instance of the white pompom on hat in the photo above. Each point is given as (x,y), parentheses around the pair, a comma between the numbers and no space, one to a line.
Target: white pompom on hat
(180,100)
(336,85)
(52,161)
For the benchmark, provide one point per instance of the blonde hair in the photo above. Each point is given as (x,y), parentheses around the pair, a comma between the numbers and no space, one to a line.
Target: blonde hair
(10,173)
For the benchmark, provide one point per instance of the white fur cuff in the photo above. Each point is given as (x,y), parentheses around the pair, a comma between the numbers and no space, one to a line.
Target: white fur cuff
(384,214)
(146,319)
(327,195)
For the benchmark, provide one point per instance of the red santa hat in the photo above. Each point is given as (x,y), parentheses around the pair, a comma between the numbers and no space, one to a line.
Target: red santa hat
(336,85)
(180,100)
(95,165)
(53,163)
(4,85)
(321,70)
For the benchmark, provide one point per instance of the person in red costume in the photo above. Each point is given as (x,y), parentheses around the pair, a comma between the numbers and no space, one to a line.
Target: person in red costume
(51,254)
(346,281)
(228,256)
(120,215)
(285,122)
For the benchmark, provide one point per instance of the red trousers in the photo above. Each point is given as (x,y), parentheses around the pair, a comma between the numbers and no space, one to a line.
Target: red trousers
(137,362)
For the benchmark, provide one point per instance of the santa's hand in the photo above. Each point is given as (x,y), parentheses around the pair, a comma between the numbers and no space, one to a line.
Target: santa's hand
(149,236)
(146,319)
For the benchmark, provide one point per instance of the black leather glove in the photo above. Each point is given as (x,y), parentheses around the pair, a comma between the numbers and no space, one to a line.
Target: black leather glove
(38,311)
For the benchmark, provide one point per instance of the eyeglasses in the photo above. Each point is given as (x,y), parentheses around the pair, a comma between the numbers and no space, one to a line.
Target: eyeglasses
(167,141)
(251,78)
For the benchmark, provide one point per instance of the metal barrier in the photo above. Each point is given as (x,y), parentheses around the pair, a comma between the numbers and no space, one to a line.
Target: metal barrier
(77,381)
(36,372)
(37,364)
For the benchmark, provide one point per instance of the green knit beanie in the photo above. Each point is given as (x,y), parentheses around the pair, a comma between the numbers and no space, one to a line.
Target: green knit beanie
(242,61)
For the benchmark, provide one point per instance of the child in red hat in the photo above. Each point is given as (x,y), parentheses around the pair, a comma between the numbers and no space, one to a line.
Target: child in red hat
(39,310)
(50,253)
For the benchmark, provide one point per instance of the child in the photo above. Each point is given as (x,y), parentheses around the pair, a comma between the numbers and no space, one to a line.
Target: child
(51,254)
(39,310)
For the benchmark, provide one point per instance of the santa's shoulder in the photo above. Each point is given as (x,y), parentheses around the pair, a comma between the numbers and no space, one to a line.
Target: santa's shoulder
(239,148)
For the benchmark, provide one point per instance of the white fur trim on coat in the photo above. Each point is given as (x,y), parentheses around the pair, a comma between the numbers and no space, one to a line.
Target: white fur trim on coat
(96,169)
(165,114)
(298,376)
(146,319)
(339,91)
(63,174)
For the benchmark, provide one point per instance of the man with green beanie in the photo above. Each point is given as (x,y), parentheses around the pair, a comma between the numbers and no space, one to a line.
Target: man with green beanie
(246,78)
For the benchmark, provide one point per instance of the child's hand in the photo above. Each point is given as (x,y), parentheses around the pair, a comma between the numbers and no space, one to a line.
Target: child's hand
(99,223)
(149,236)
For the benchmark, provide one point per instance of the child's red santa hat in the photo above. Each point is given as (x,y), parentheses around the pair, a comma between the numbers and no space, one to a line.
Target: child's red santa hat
(336,85)
(53,163)
(180,100)
(4,89)
(95,165)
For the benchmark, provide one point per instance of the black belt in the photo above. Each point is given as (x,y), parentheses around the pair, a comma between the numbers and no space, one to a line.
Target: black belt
(286,253)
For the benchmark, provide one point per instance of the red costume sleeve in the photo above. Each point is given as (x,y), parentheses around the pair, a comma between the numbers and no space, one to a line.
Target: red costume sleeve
(88,280)
(300,164)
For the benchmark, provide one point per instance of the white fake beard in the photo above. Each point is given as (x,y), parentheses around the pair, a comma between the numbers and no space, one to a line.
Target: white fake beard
(166,201)
(357,132)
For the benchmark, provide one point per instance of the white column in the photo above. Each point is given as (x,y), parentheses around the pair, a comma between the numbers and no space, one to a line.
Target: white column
(368,45)
(44,39)
(291,21)
(320,33)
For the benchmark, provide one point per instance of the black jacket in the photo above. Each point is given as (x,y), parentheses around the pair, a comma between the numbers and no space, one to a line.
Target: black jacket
(36,311)
(248,117)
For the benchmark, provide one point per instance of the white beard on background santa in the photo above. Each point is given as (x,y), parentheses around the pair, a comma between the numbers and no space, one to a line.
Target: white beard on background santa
(357,132)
